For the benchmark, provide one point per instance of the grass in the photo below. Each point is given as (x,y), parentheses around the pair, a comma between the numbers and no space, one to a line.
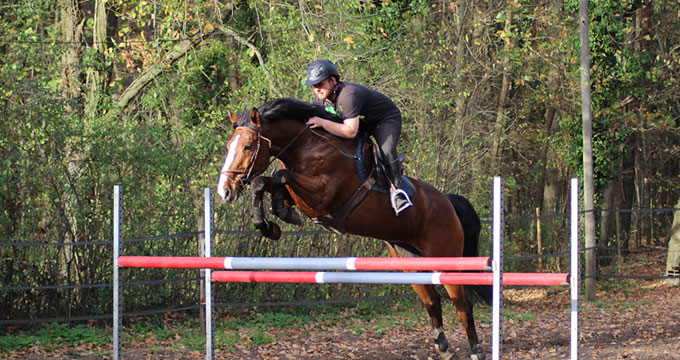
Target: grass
(243,327)
(54,336)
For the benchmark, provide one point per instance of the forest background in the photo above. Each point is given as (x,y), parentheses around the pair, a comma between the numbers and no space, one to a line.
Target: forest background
(136,92)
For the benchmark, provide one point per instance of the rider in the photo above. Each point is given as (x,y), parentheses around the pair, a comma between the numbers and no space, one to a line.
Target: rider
(362,109)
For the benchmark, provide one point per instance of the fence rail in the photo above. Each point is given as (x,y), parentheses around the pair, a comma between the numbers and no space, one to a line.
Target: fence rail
(528,257)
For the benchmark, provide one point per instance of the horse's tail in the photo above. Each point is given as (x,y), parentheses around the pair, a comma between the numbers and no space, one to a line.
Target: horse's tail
(471,229)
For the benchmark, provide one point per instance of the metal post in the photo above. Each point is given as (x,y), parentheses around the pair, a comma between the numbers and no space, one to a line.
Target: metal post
(117,295)
(574,276)
(208,227)
(497,266)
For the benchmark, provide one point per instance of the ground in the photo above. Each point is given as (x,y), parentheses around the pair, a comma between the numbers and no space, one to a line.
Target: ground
(632,319)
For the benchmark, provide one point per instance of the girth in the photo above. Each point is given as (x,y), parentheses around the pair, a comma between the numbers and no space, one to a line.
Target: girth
(336,221)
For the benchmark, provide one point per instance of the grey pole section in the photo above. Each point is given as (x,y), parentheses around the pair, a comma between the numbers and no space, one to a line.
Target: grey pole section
(117,298)
(574,276)
(208,219)
(497,266)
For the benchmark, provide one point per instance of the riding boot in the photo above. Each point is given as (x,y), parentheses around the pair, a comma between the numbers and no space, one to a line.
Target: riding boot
(398,196)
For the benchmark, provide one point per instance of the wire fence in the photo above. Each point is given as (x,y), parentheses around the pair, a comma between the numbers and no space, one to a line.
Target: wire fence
(602,252)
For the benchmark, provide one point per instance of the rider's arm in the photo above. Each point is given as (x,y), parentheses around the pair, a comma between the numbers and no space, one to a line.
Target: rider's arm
(347,129)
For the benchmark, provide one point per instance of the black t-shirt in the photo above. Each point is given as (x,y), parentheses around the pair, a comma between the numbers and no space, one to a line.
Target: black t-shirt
(371,106)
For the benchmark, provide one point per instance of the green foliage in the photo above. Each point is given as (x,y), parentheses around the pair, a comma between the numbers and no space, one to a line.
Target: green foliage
(54,336)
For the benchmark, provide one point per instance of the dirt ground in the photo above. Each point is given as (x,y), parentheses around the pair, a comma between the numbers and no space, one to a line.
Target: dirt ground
(644,326)
(638,321)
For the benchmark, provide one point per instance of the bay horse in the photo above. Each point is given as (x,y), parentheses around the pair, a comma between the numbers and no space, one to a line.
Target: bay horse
(320,178)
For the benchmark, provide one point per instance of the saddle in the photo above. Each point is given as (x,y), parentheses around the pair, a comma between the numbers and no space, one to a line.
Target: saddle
(369,165)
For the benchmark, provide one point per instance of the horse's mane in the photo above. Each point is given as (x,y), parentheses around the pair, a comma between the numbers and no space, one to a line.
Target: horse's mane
(289,108)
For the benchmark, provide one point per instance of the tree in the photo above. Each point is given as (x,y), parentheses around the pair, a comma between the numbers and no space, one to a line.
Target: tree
(586,113)
(673,261)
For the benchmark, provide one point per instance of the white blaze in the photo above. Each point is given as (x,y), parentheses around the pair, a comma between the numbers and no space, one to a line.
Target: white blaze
(231,153)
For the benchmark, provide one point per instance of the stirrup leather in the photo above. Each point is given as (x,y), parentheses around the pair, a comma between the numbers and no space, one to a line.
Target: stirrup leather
(393,199)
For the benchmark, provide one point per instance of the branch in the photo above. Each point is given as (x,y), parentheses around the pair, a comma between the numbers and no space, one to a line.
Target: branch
(252,47)
(180,50)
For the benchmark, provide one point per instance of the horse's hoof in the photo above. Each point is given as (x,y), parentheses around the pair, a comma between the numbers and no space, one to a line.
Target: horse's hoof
(293,217)
(478,353)
(269,230)
(274,231)
(441,344)
(446,355)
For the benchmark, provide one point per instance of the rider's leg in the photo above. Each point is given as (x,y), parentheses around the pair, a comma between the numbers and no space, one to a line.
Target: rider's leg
(387,135)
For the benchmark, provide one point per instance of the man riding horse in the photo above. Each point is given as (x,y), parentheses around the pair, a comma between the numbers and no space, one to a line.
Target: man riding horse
(362,109)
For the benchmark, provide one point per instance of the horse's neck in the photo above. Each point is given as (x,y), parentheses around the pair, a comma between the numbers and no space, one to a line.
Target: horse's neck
(310,148)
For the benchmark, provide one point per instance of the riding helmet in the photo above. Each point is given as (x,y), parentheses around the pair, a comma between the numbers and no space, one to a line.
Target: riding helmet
(319,70)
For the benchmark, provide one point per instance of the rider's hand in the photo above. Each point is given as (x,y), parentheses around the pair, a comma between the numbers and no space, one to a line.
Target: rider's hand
(315,122)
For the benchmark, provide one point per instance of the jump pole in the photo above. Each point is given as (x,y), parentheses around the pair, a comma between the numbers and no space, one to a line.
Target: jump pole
(574,273)
(497,267)
(420,278)
(297,263)
(208,226)
(117,300)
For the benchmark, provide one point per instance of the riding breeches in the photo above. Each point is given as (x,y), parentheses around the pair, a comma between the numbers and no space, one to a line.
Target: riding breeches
(386,134)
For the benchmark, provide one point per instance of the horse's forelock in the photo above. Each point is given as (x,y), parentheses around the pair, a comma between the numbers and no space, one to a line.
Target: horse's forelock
(243,117)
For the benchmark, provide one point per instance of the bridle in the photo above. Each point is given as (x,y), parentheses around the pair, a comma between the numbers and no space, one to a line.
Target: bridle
(249,175)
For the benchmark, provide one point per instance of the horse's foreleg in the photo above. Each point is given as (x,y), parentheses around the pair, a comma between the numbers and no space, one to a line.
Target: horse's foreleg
(283,211)
(319,190)
(464,311)
(267,228)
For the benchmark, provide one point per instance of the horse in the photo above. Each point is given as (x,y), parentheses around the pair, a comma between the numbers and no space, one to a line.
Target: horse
(319,176)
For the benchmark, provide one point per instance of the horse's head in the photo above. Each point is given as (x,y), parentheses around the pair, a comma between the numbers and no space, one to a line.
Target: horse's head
(248,153)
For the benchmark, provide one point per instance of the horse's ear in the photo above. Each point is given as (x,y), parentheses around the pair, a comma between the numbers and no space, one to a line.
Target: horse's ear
(232,117)
(255,117)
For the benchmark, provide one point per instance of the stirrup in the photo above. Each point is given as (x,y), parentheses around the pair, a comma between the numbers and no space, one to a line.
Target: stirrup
(393,200)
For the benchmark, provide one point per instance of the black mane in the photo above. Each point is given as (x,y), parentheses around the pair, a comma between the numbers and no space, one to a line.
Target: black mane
(289,108)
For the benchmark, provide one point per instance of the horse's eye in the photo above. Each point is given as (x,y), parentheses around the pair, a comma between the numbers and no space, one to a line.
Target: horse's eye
(247,147)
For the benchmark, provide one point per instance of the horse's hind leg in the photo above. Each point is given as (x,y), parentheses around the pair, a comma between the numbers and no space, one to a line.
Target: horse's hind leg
(464,311)
(432,302)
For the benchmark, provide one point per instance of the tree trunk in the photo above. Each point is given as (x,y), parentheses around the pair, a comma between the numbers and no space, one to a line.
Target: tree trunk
(586,113)
(607,223)
(625,196)
(547,193)
(673,261)
(96,77)
(71,34)
(463,6)
(499,128)
(72,94)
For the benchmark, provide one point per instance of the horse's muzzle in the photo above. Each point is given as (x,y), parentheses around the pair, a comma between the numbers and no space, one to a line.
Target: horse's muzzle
(227,195)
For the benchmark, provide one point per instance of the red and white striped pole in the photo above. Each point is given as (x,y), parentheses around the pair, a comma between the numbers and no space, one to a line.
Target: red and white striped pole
(293,263)
(356,277)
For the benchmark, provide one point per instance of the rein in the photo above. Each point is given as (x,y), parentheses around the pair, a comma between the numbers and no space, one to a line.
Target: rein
(340,149)
(251,163)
